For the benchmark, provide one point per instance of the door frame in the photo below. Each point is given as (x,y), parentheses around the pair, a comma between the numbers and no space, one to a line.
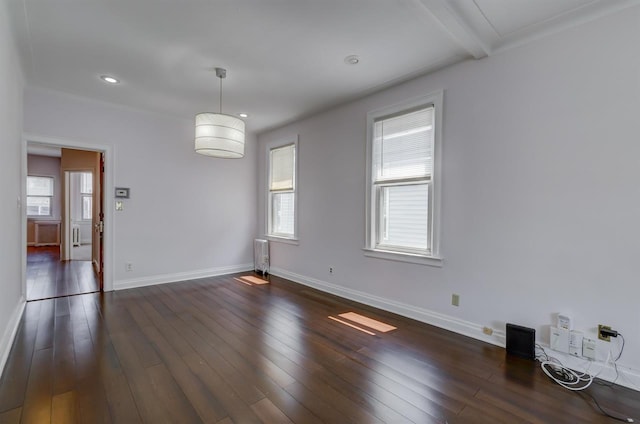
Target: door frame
(108,234)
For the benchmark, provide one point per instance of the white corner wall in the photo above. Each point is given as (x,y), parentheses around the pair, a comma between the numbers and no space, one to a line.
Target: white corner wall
(11,237)
(540,198)
(188,216)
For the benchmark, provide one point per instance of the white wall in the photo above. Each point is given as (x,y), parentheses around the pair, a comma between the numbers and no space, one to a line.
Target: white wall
(540,199)
(11,238)
(188,215)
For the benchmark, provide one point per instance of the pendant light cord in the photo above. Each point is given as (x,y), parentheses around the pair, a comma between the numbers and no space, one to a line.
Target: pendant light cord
(221,95)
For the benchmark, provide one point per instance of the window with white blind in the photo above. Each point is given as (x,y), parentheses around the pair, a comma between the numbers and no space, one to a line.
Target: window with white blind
(86,190)
(282,191)
(403,196)
(39,196)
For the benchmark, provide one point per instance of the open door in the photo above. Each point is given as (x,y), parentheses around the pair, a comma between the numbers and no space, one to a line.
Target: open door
(98,218)
(82,160)
(99,248)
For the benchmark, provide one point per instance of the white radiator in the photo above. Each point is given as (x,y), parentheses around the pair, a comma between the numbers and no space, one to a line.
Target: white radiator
(261,256)
(75,235)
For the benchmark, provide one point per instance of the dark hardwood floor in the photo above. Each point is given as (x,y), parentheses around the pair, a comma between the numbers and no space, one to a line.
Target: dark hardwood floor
(225,350)
(47,277)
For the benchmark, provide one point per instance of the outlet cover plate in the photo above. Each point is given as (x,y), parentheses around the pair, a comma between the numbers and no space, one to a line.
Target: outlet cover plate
(600,336)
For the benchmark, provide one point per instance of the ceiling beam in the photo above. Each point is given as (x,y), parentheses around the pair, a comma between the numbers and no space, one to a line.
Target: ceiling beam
(457,28)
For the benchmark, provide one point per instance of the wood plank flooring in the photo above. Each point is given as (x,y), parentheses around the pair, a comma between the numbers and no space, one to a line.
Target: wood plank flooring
(218,350)
(47,277)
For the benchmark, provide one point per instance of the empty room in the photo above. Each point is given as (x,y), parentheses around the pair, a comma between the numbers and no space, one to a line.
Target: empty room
(336,211)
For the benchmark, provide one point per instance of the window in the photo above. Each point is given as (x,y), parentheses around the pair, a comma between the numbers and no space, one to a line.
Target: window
(402,198)
(86,194)
(282,191)
(39,196)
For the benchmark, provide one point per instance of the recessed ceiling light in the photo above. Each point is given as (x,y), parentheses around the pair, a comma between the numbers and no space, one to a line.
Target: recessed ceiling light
(352,59)
(108,79)
(243,115)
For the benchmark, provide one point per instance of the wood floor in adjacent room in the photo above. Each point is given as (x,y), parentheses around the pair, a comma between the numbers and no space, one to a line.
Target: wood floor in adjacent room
(48,277)
(228,350)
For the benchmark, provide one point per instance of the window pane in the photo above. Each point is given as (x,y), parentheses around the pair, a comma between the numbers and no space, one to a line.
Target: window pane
(86,183)
(39,186)
(403,145)
(282,213)
(87,203)
(404,216)
(38,206)
(282,168)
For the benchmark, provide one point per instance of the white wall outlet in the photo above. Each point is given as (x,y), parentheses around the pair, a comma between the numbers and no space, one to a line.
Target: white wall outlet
(559,339)
(589,348)
(575,343)
(128,267)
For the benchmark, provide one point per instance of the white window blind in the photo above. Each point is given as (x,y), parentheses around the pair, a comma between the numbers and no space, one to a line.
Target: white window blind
(86,183)
(405,216)
(39,186)
(282,168)
(283,213)
(403,146)
(86,190)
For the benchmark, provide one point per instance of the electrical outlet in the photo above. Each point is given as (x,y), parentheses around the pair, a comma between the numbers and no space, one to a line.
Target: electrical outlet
(128,267)
(455,299)
(600,336)
(330,270)
(487,330)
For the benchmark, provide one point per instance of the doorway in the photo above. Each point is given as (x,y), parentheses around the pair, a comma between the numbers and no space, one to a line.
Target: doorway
(70,209)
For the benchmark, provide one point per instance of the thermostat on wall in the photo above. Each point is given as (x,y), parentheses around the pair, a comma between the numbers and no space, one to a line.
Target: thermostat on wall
(122,193)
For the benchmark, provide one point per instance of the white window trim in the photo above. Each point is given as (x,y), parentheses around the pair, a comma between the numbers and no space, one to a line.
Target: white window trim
(434,258)
(270,146)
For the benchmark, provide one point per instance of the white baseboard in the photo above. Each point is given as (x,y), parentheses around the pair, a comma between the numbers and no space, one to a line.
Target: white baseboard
(180,276)
(628,377)
(437,319)
(10,333)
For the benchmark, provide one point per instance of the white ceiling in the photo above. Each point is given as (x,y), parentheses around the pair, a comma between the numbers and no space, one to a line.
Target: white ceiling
(285,58)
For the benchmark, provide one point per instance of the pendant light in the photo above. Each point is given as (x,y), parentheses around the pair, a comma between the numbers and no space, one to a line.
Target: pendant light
(217,134)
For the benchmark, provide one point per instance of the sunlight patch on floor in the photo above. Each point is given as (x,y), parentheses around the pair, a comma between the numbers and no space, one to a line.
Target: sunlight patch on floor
(352,325)
(351,319)
(251,280)
(368,322)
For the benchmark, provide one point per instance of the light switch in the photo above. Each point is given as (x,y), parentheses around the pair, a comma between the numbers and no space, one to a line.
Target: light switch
(119,205)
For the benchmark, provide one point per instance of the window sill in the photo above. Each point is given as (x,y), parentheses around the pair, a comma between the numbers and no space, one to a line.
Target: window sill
(284,240)
(404,257)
